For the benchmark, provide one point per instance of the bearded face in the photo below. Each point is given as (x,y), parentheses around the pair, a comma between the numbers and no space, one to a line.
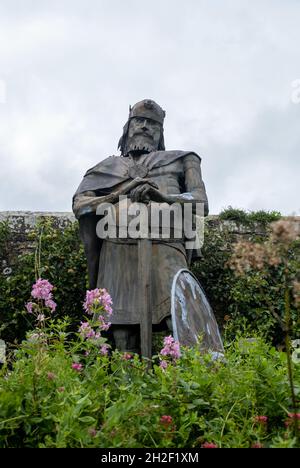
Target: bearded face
(143,135)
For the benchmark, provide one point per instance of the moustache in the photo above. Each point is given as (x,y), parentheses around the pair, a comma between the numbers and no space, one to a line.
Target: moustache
(144,134)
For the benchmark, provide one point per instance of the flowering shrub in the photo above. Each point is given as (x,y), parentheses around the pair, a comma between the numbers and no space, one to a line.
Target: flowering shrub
(245,280)
(58,391)
(41,291)
(243,301)
(63,389)
(61,261)
(170,352)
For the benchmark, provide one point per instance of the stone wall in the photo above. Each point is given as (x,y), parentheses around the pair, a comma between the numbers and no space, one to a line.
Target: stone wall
(21,222)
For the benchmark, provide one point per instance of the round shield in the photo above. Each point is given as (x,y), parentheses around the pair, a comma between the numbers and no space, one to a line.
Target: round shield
(193,320)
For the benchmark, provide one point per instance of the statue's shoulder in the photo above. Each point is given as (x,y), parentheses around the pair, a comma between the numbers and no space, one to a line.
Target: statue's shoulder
(167,157)
(178,153)
(106,163)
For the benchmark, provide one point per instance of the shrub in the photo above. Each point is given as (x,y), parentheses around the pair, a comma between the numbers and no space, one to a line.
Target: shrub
(55,255)
(249,218)
(253,300)
(58,395)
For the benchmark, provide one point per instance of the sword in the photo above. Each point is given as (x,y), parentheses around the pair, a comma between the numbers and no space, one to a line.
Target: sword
(145,297)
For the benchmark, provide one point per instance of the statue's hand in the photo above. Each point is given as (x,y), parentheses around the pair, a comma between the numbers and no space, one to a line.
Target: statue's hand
(146,192)
(140,181)
(137,182)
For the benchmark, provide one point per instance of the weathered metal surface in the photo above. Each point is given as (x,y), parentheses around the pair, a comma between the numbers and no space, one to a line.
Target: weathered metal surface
(145,296)
(193,320)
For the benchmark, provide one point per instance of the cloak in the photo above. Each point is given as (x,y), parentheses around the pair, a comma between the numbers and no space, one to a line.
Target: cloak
(102,179)
(115,170)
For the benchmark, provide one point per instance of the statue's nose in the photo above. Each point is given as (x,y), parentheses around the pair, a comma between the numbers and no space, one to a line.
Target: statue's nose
(145,124)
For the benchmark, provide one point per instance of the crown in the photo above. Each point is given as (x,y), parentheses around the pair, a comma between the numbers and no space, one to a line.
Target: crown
(147,109)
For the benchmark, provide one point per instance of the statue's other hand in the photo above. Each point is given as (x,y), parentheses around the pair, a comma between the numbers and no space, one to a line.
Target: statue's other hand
(135,183)
(140,181)
(145,193)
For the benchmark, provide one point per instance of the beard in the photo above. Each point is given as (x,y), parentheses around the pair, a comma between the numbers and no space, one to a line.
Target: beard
(141,143)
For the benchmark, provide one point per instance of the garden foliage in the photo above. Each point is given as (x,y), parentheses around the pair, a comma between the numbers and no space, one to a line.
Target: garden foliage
(59,392)
(63,386)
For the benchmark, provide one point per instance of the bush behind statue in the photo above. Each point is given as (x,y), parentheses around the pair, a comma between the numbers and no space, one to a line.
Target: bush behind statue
(249,300)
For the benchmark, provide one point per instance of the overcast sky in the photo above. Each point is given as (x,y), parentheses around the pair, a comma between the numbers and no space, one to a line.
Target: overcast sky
(223,70)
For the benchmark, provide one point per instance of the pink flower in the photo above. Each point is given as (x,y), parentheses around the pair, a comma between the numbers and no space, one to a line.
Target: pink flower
(104,326)
(106,301)
(171,348)
(166,420)
(50,376)
(61,389)
(104,349)
(261,419)
(29,307)
(257,445)
(168,340)
(96,298)
(127,356)
(294,415)
(76,366)
(42,289)
(86,330)
(209,445)
(163,364)
(51,304)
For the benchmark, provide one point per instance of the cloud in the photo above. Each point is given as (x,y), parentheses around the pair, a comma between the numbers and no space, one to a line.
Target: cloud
(222,70)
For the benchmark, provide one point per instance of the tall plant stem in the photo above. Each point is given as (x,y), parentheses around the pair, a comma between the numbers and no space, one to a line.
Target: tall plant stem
(288,356)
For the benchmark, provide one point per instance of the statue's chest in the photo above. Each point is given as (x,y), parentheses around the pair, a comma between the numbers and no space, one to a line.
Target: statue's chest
(168,178)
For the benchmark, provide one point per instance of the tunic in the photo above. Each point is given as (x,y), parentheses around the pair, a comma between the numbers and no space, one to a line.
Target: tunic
(177,174)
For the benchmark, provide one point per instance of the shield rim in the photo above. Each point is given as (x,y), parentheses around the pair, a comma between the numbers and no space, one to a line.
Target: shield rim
(174,325)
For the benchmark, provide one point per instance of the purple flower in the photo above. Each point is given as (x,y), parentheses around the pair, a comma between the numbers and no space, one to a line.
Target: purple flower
(29,307)
(85,330)
(76,366)
(104,349)
(171,348)
(104,326)
(163,364)
(168,340)
(51,304)
(96,298)
(106,302)
(42,289)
